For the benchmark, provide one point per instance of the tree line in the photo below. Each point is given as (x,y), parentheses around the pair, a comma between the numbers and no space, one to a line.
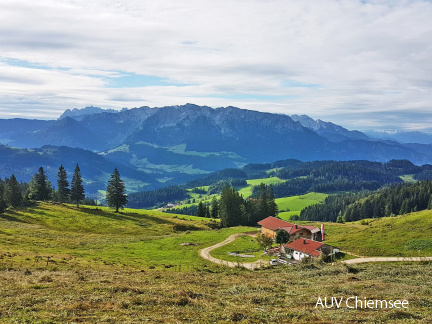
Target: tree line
(40,188)
(396,199)
(233,209)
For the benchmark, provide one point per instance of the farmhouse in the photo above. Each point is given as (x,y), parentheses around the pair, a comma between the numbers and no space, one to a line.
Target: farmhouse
(270,225)
(304,248)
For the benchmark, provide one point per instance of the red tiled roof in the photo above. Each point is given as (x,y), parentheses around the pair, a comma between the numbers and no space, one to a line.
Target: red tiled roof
(309,227)
(274,223)
(306,246)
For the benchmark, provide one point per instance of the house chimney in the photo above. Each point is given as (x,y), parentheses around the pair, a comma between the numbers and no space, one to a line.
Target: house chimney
(304,241)
(296,226)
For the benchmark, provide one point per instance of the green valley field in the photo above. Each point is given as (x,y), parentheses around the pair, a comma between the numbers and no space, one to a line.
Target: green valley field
(60,264)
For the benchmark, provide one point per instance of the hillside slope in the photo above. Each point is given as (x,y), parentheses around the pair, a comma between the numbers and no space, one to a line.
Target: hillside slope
(404,235)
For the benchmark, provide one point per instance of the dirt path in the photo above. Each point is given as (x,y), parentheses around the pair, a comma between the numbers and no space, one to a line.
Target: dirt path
(205,253)
(387,259)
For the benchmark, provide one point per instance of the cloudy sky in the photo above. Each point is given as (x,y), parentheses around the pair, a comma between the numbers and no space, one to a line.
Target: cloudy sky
(360,64)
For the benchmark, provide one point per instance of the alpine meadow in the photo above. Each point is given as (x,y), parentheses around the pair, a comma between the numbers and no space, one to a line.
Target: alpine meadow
(215,161)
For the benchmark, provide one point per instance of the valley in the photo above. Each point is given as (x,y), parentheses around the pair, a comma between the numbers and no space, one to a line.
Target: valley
(171,145)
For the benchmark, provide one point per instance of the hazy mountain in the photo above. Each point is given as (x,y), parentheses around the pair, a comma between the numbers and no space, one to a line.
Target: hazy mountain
(14,131)
(332,132)
(95,168)
(402,137)
(79,114)
(183,142)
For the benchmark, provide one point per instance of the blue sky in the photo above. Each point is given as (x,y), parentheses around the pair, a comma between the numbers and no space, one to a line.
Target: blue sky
(360,64)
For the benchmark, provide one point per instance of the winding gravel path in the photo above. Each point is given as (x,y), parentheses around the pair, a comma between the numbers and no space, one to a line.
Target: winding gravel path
(387,259)
(205,253)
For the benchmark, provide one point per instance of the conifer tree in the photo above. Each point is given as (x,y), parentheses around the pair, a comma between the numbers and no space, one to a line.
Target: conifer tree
(271,203)
(231,208)
(40,187)
(214,208)
(263,201)
(201,210)
(77,189)
(116,192)
(62,185)
(12,192)
(3,205)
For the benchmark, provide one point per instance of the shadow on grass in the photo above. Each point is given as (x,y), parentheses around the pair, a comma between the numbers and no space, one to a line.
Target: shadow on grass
(135,217)
(11,218)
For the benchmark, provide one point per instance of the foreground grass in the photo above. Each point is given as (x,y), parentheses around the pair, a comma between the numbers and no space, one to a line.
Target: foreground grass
(214,295)
(85,237)
(63,265)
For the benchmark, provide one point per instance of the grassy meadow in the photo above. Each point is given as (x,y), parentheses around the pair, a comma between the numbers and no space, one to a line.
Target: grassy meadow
(289,206)
(247,190)
(60,264)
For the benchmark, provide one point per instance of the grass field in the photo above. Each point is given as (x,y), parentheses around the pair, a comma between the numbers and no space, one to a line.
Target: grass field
(63,265)
(100,237)
(214,295)
(404,235)
(295,204)
(247,191)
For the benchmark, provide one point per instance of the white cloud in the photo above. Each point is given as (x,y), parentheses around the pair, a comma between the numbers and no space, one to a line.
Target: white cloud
(363,58)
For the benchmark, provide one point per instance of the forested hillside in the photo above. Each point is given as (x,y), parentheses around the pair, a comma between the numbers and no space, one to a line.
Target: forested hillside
(291,178)
(388,201)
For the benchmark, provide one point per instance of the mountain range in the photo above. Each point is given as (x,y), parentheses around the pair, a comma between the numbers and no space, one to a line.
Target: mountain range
(159,146)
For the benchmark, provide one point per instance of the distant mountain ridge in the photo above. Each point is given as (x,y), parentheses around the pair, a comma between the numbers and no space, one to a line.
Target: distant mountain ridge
(178,143)
(79,114)
(329,130)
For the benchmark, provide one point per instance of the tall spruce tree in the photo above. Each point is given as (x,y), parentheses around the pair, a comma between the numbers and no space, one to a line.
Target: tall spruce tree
(116,193)
(12,192)
(40,187)
(271,203)
(232,211)
(77,189)
(214,208)
(263,201)
(201,210)
(63,190)
(3,205)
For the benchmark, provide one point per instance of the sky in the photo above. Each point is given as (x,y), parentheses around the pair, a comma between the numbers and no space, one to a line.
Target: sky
(364,65)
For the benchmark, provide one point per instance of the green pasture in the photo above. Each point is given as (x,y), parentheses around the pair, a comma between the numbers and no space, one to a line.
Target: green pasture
(247,191)
(289,206)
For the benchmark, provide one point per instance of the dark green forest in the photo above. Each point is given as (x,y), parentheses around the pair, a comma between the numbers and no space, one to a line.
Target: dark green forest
(301,178)
(391,200)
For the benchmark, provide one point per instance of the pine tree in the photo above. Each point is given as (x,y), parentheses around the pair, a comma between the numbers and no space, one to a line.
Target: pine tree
(232,209)
(116,192)
(40,187)
(12,192)
(214,208)
(201,210)
(263,201)
(271,203)
(3,205)
(77,189)
(62,185)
